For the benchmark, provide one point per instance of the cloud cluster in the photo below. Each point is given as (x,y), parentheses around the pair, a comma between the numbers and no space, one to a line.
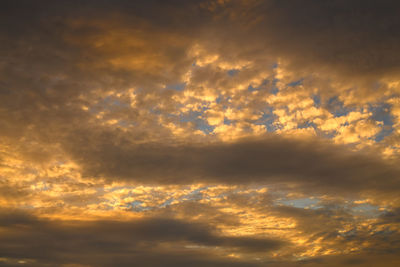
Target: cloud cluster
(224,133)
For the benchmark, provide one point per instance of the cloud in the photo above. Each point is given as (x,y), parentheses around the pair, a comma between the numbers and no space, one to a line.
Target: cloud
(311,164)
(352,39)
(105,243)
(205,118)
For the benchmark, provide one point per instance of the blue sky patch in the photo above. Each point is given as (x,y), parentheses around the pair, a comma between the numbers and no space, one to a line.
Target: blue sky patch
(233,72)
(299,202)
(176,86)
(366,209)
(382,112)
(317,100)
(295,83)
(337,108)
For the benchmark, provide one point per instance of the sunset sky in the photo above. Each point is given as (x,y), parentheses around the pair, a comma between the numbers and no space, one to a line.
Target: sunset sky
(200,133)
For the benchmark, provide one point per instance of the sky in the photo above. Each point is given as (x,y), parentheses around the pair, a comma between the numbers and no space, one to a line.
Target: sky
(200,133)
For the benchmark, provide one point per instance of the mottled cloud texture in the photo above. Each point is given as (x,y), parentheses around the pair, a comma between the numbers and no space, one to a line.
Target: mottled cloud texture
(199,133)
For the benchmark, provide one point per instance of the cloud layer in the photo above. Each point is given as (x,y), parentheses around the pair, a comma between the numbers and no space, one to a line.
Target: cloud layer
(199,133)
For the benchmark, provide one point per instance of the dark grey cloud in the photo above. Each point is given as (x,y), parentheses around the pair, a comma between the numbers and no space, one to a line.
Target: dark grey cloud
(351,260)
(311,164)
(150,241)
(158,241)
(353,39)
(356,38)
